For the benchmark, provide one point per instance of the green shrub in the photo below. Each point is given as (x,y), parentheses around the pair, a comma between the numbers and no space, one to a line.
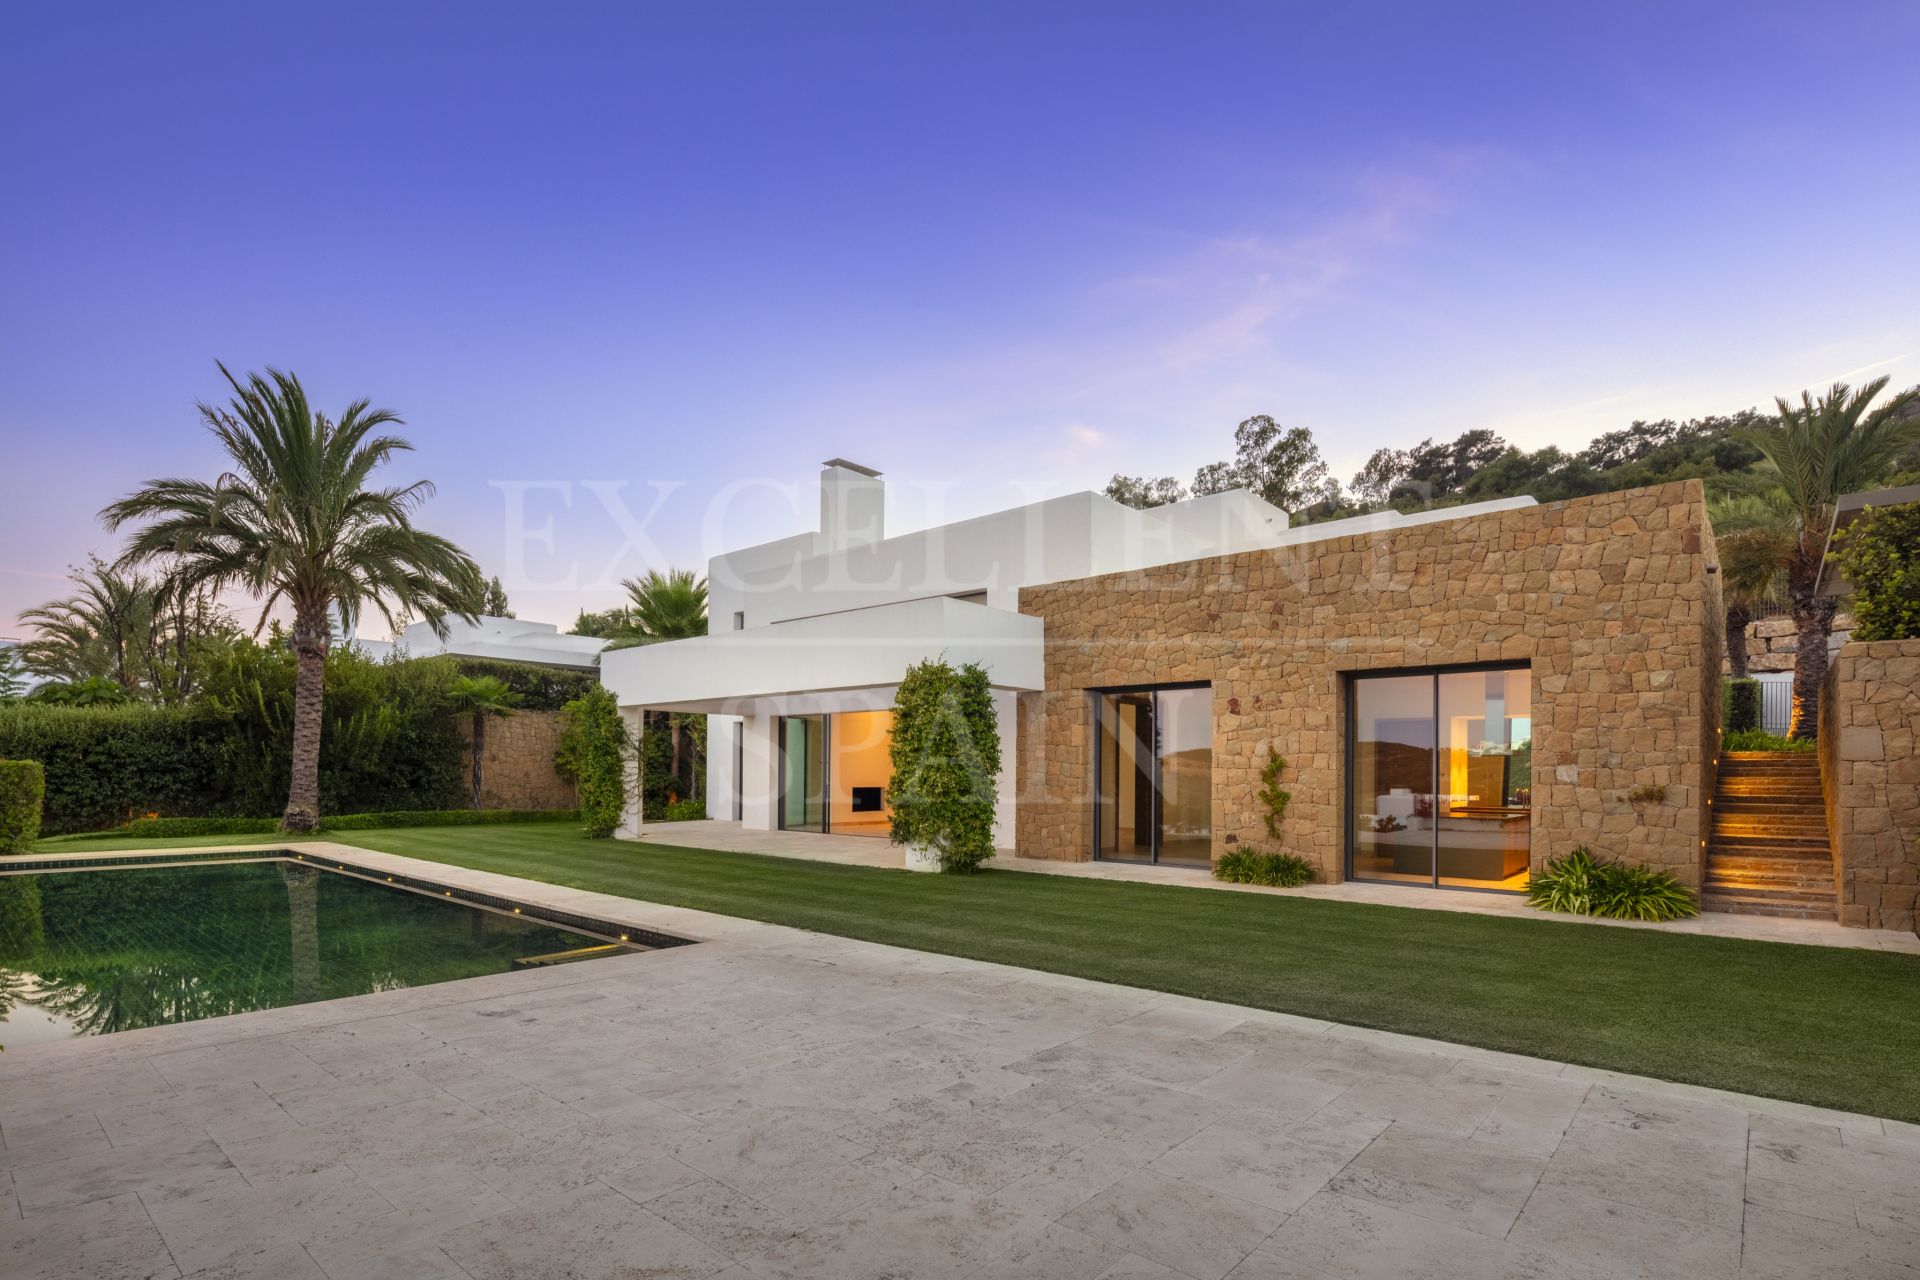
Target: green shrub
(946,763)
(1743,705)
(1761,740)
(1273,797)
(23,789)
(1580,884)
(680,811)
(1251,866)
(594,745)
(538,688)
(171,828)
(1880,554)
(106,764)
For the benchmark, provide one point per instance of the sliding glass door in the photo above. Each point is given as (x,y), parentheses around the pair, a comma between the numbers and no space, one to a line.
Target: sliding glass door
(1153,771)
(834,772)
(803,773)
(1439,780)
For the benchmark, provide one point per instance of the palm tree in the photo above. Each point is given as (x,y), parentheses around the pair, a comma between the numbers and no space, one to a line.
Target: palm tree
(295,521)
(100,630)
(662,607)
(481,697)
(1819,450)
(1754,537)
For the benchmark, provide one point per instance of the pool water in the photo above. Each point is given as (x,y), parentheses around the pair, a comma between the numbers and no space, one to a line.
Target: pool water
(92,952)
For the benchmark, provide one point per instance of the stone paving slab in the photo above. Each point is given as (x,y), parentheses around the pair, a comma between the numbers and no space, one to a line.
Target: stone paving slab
(774,1104)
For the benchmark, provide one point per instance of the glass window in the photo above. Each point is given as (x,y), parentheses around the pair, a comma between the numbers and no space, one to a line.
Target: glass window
(860,766)
(1153,793)
(1440,791)
(803,773)
(1392,800)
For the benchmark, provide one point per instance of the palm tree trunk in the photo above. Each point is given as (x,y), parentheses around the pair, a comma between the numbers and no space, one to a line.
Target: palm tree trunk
(479,751)
(1738,616)
(310,655)
(1812,624)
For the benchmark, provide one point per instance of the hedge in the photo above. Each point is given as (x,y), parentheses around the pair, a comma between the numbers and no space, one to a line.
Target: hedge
(540,688)
(1743,705)
(168,828)
(23,788)
(105,763)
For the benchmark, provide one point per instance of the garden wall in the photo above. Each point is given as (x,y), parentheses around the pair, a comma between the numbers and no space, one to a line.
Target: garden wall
(1613,600)
(1870,772)
(518,771)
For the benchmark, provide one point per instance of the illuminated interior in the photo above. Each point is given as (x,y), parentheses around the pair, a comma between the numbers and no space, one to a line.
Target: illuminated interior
(1441,784)
(834,772)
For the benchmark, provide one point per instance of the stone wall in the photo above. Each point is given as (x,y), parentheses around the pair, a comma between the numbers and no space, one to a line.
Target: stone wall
(1612,600)
(518,772)
(1773,642)
(1870,772)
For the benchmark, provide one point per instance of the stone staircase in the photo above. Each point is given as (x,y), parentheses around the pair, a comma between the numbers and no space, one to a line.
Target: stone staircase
(1768,853)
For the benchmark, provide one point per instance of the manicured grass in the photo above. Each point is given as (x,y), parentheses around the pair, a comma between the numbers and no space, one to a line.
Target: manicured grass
(1825,1025)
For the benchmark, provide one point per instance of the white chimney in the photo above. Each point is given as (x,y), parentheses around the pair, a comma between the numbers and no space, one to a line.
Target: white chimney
(853,505)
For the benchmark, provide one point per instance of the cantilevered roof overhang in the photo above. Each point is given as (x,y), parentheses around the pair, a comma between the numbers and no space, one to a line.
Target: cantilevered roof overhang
(726,673)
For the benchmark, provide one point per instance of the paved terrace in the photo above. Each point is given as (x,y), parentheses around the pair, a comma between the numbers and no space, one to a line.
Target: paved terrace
(871,851)
(778,1104)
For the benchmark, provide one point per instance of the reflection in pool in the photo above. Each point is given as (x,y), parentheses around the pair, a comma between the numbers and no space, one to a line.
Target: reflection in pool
(90,952)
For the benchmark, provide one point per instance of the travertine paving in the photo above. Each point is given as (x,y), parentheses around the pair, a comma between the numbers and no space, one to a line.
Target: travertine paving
(776,1104)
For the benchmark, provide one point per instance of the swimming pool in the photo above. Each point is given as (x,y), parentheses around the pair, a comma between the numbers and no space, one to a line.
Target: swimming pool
(94,949)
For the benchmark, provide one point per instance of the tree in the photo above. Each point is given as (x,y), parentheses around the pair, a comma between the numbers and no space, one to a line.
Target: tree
(100,630)
(1374,483)
(1141,492)
(1818,450)
(608,624)
(493,599)
(662,607)
(13,674)
(296,522)
(1880,554)
(594,745)
(1754,539)
(1280,464)
(482,698)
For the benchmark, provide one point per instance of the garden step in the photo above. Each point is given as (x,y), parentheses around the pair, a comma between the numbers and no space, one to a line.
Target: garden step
(1812,841)
(1801,863)
(1751,882)
(1767,905)
(1772,757)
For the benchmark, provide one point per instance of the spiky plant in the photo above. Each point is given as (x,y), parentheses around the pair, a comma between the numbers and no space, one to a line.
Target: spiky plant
(1819,450)
(298,520)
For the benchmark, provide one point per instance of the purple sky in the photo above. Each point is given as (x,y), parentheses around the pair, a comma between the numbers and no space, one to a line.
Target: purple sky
(994,250)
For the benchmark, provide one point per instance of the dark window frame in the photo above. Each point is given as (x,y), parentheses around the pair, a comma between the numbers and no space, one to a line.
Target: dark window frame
(1349,680)
(1094,694)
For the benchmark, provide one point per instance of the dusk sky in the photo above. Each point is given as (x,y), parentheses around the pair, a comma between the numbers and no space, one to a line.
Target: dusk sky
(996,251)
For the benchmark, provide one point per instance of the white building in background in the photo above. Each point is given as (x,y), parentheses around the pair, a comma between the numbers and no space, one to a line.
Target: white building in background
(810,635)
(504,639)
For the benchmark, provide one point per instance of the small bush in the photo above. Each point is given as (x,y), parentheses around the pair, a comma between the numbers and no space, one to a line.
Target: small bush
(1251,866)
(1761,740)
(23,789)
(681,811)
(1743,705)
(1583,885)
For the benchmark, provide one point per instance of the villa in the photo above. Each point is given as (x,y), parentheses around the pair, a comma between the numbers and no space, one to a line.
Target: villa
(1457,695)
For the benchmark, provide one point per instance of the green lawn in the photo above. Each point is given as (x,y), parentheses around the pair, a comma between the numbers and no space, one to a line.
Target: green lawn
(1830,1026)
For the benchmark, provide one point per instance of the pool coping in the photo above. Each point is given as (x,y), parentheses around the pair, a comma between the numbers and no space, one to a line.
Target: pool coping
(325,856)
